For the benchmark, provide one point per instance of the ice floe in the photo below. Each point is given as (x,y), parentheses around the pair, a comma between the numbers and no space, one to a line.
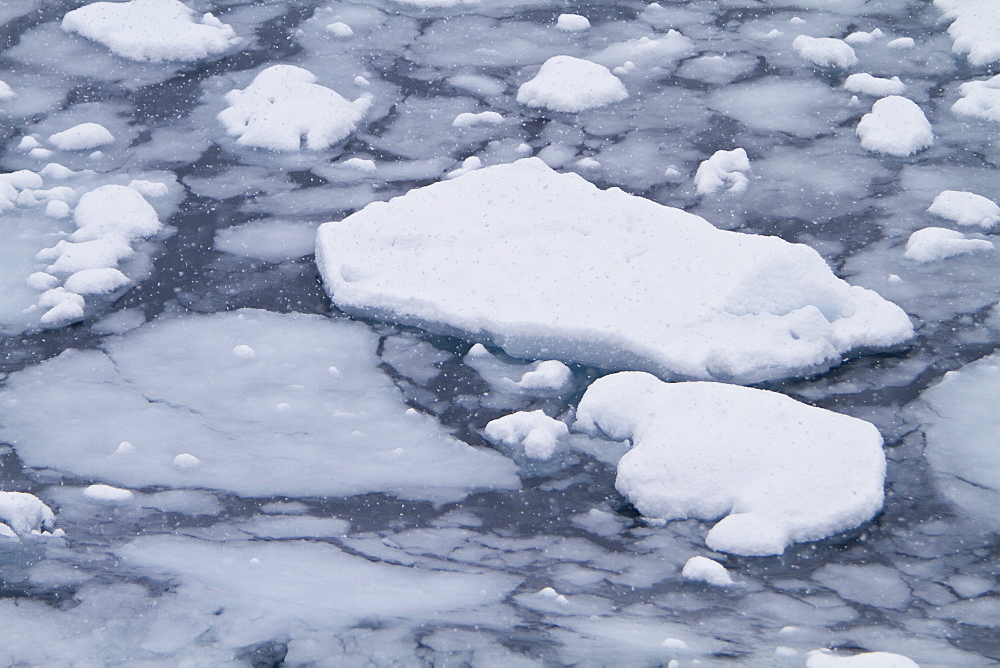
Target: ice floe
(775,470)
(342,434)
(23,514)
(931,244)
(965,208)
(572,22)
(725,170)
(896,126)
(572,85)
(155,30)
(83,137)
(709,571)
(533,434)
(825,51)
(980,99)
(975,29)
(520,254)
(824,658)
(868,85)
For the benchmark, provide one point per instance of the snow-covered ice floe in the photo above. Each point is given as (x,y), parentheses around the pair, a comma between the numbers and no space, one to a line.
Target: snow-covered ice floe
(546,265)
(153,30)
(896,126)
(975,29)
(824,658)
(980,99)
(939,243)
(774,470)
(322,418)
(23,514)
(569,84)
(966,208)
(961,419)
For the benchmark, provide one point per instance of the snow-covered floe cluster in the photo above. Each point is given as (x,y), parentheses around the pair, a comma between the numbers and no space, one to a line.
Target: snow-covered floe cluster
(403,332)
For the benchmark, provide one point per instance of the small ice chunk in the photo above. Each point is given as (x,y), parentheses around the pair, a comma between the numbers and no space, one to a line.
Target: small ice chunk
(868,85)
(824,658)
(152,189)
(284,107)
(244,352)
(938,243)
(153,30)
(470,164)
(777,471)
(25,513)
(572,22)
(825,51)
(542,378)
(63,307)
(56,172)
(186,462)
(41,153)
(469,119)
(106,495)
(901,43)
(99,281)
(83,137)
(980,99)
(675,643)
(724,170)
(861,37)
(569,84)
(709,571)
(6,92)
(534,431)
(28,142)
(340,29)
(114,210)
(965,208)
(42,281)
(600,522)
(361,82)
(896,126)
(57,209)
(124,448)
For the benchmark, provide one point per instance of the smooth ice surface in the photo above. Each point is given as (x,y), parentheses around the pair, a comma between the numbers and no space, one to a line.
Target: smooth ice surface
(285,109)
(966,208)
(775,470)
(961,419)
(521,254)
(896,126)
(151,30)
(569,84)
(268,240)
(339,433)
(931,244)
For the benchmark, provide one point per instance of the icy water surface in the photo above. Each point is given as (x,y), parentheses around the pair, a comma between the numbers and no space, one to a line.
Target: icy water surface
(306,487)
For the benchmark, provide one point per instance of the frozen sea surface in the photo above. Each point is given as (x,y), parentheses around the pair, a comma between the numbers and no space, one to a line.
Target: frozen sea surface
(205,461)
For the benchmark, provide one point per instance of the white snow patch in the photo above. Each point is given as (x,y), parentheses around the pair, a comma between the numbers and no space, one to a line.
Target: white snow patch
(709,571)
(975,29)
(117,211)
(931,244)
(340,29)
(155,30)
(107,495)
(980,99)
(284,107)
(896,126)
(824,658)
(777,471)
(23,514)
(469,119)
(861,37)
(83,137)
(102,280)
(569,84)
(901,43)
(534,433)
(724,170)
(868,85)
(825,51)
(965,208)
(546,264)
(572,22)
(186,462)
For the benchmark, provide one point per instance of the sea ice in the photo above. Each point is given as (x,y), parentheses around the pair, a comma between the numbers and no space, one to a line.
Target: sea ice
(825,51)
(724,170)
(23,514)
(268,240)
(824,658)
(546,378)
(980,99)
(342,434)
(975,29)
(868,85)
(869,584)
(156,30)
(569,84)
(960,417)
(777,471)
(931,244)
(654,54)
(534,433)
(896,126)
(83,137)
(285,108)
(522,256)
(106,495)
(965,208)
(572,22)
(709,571)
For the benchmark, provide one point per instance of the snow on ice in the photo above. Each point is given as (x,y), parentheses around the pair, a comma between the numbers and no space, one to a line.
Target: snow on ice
(896,126)
(572,85)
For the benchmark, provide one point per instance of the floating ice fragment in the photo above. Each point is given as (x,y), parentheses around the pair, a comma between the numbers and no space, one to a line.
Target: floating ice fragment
(186,462)
(938,243)
(63,307)
(572,22)
(824,658)
(724,170)
(975,29)
(896,126)
(869,85)
(825,51)
(22,513)
(42,281)
(709,571)
(107,495)
(244,352)
(470,164)
(534,432)
(777,471)
(156,30)
(862,37)
(524,256)
(6,92)
(57,209)
(469,119)
(675,643)
(98,281)
(901,43)
(980,99)
(966,208)
(124,448)
(284,107)
(147,188)
(569,84)
(83,137)
(657,53)
(114,210)
(340,29)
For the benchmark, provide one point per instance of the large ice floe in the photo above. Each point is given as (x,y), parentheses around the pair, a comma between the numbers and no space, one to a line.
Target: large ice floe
(774,470)
(322,418)
(546,265)
(960,417)
(975,29)
(155,30)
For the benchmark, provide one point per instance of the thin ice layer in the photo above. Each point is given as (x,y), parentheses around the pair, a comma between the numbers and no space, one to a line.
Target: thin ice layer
(268,404)
(775,470)
(546,265)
